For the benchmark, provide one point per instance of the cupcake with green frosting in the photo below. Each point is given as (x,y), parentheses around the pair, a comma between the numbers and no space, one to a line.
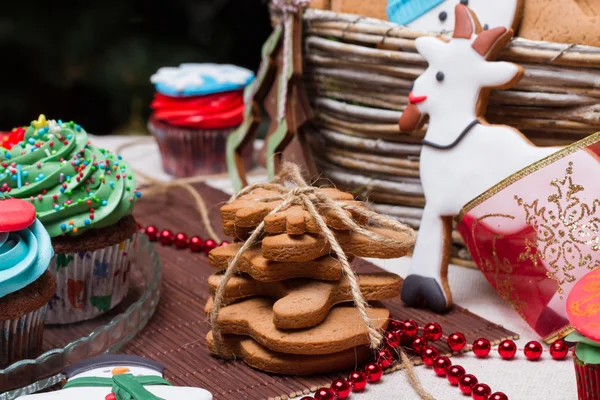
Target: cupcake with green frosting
(84,196)
(583,312)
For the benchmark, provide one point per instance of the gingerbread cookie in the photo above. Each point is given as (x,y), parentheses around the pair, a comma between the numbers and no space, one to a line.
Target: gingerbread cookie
(460,150)
(304,303)
(562,21)
(299,248)
(342,329)
(254,264)
(261,358)
(244,214)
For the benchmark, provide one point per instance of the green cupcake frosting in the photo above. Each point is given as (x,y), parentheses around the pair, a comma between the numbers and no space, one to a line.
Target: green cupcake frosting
(73,185)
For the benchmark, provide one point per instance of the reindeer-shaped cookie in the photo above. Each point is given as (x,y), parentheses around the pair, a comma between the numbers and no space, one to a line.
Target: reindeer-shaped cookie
(462,155)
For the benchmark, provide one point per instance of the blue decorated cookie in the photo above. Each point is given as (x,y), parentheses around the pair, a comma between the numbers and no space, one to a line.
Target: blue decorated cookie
(200,79)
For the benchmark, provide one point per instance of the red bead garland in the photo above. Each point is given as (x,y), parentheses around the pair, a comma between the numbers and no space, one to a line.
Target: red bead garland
(481,347)
(429,355)
(559,350)
(481,391)
(152,232)
(507,349)
(418,345)
(196,244)
(466,383)
(166,237)
(498,396)
(454,373)
(209,244)
(324,394)
(456,341)
(357,380)
(409,330)
(533,350)
(392,339)
(441,365)
(374,372)
(341,389)
(432,331)
(180,240)
(385,358)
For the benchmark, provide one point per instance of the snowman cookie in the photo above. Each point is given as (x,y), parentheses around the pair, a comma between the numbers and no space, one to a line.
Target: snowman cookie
(119,377)
(438,15)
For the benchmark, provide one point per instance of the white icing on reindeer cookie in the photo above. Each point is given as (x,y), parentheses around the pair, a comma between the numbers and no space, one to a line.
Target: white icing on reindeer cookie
(462,156)
(82,377)
(438,15)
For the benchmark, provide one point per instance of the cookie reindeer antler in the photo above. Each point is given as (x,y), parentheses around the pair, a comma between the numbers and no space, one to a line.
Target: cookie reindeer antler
(460,150)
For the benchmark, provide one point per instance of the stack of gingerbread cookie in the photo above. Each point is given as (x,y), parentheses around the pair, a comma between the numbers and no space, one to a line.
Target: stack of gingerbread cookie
(289,309)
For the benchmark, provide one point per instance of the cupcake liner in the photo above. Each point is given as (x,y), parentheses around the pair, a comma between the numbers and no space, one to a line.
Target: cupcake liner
(188,152)
(22,338)
(89,283)
(588,380)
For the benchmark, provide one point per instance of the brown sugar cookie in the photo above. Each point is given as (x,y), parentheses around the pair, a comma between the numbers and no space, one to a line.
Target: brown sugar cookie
(287,248)
(562,21)
(254,264)
(304,303)
(261,358)
(341,330)
(244,214)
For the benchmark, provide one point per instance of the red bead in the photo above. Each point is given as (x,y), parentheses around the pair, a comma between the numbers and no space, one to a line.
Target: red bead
(481,347)
(324,394)
(307,398)
(457,341)
(432,331)
(357,380)
(394,325)
(559,350)
(418,344)
(409,329)
(392,339)
(533,350)
(429,354)
(385,358)
(110,396)
(441,365)
(152,232)
(224,243)
(181,240)
(481,391)
(341,389)
(373,372)
(209,245)
(466,383)
(166,237)
(498,396)
(454,373)
(507,349)
(196,244)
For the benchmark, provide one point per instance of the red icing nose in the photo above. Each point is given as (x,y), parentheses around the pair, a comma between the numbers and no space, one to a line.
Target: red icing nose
(416,99)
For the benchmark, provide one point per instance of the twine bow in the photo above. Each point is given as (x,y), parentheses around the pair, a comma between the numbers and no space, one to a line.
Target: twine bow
(288,8)
(316,203)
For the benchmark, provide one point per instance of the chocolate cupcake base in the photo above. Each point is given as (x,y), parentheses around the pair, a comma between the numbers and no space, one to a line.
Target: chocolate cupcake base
(188,152)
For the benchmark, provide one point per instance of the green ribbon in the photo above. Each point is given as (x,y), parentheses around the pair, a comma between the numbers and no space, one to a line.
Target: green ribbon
(124,386)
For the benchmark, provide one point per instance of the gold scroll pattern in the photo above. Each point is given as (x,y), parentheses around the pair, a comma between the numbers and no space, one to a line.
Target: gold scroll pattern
(567,230)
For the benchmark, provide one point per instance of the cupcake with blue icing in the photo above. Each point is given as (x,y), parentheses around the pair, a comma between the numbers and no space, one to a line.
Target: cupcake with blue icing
(195,108)
(26,286)
(84,196)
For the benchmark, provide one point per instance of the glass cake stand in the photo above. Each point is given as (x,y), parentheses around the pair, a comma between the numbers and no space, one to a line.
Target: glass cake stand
(68,344)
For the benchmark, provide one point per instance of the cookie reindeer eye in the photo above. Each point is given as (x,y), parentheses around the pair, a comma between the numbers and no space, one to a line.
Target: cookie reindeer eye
(443,15)
(464,2)
(439,76)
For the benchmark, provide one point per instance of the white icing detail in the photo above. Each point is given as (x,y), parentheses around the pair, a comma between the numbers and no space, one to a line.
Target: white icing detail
(99,393)
(53,126)
(488,154)
(193,75)
(491,12)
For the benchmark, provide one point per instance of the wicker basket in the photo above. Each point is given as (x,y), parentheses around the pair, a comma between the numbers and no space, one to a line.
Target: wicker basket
(358,74)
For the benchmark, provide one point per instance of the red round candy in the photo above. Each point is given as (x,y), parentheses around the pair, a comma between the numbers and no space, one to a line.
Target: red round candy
(498,396)
(166,237)
(466,383)
(357,380)
(457,341)
(481,347)
(324,394)
(507,349)
(394,325)
(441,365)
(16,214)
(341,389)
(481,391)
(209,245)
(432,331)
(385,358)
(409,329)
(392,339)
(429,354)
(454,373)
(373,372)
(196,244)
(533,350)
(559,350)
(181,240)
(418,344)
(152,232)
